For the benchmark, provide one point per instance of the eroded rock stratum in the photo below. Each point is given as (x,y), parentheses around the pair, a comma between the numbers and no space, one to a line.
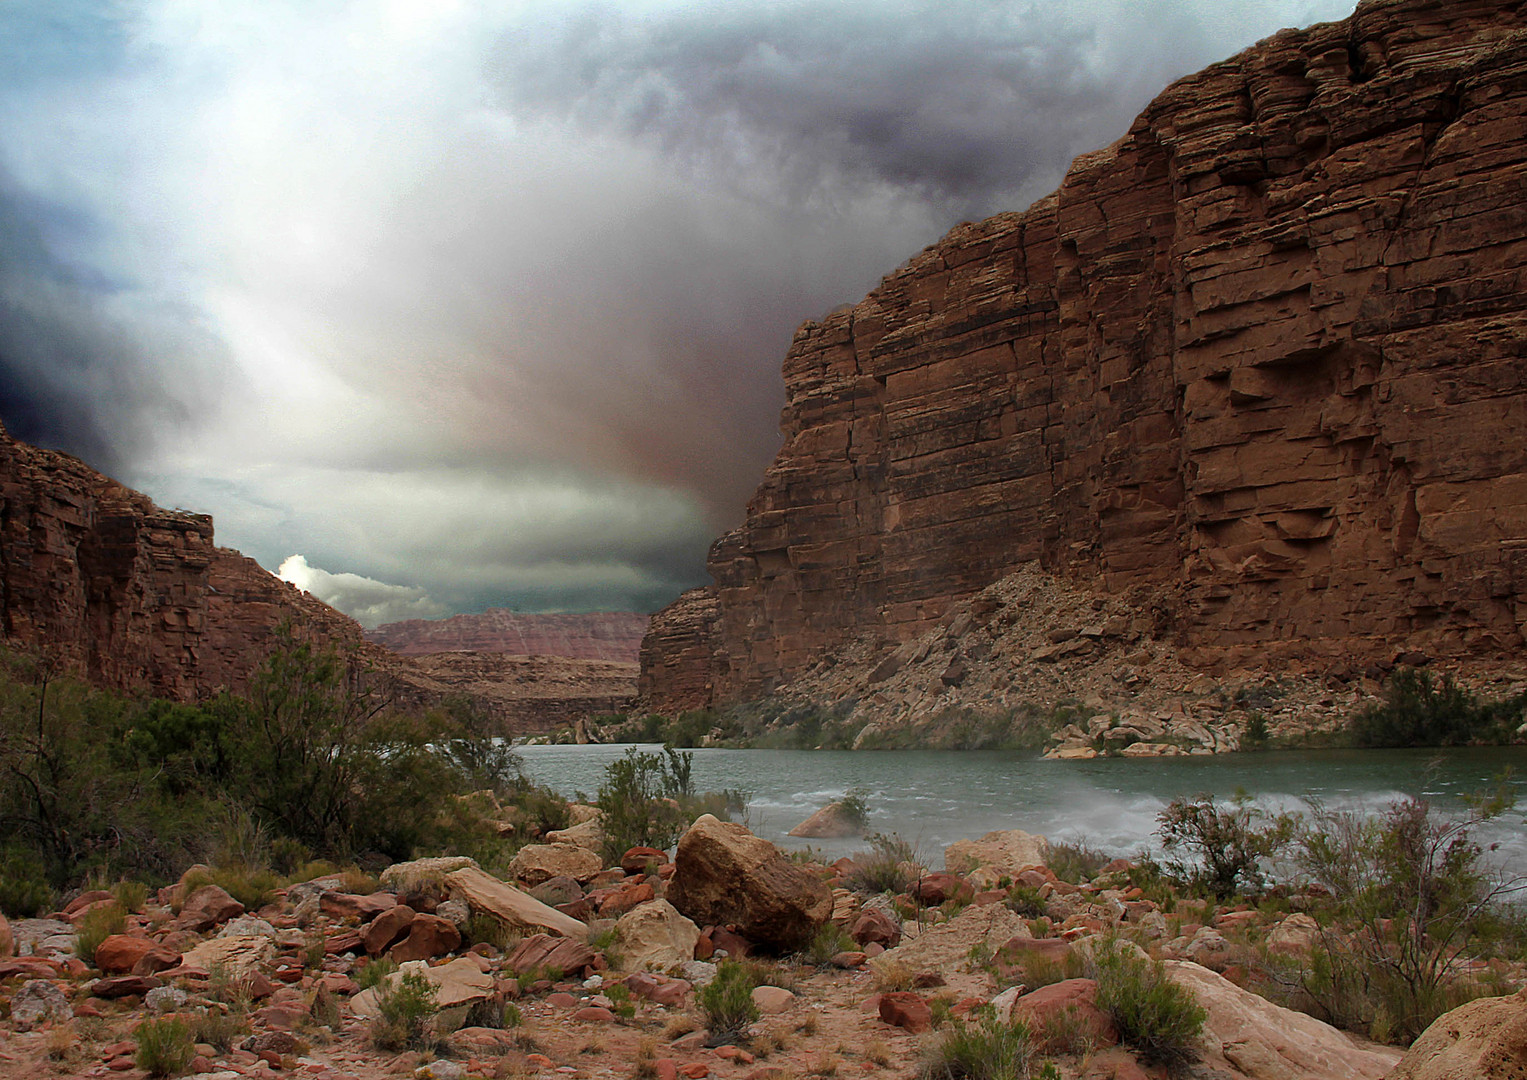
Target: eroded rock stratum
(1260,361)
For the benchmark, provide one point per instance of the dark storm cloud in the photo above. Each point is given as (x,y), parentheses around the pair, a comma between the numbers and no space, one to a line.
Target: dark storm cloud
(473,304)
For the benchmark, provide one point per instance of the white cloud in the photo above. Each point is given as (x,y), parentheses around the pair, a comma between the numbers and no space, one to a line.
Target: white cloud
(366,600)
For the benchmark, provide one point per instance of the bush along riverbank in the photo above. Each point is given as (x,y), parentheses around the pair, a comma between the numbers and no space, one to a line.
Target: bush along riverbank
(1317,945)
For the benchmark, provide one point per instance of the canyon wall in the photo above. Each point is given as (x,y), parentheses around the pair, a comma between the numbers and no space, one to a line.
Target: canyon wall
(1262,363)
(597,635)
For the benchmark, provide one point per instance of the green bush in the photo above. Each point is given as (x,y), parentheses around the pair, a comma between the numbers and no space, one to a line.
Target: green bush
(1160,1019)
(374,971)
(888,867)
(988,1050)
(24,889)
(217,1028)
(165,1046)
(97,925)
(829,940)
(1224,845)
(1076,862)
(855,806)
(1419,711)
(406,1012)
(727,1002)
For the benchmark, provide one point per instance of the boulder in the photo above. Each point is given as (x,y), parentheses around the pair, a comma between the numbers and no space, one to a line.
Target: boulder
(1073,1001)
(38,1002)
(624,899)
(1255,1037)
(947,947)
(1485,1039)
(557,891)
(7,942)
(458,985)
(545,952)
(655,936)
(159,958)
(772,1000)
(119,986)
(904,1009)
(412,876)
(342,905)
(831,822)
(239,956)
(536,863)
(1296,934)
(1009,852)
(205,908)
(119,953)
(486,894)
(428,936)
(586,834)
(639,860)
(876,927)
(931,890)
(727,876)
(387,929)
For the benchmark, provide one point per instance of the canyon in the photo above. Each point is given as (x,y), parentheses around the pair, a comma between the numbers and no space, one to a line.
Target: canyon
(1255,372)
(98,580)
(595,635)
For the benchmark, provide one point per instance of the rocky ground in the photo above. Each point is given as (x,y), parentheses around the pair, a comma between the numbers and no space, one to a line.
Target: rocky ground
(579,969)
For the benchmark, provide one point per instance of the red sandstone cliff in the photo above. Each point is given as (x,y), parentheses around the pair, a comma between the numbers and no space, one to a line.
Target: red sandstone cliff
(1264,358)
(599,635)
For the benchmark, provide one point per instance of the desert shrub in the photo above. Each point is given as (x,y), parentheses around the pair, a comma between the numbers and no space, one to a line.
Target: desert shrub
(1036,969)
(253,887)
(1221,846)
(1026,901)
(97,925)
(888,867)
(132,895)
(493,1012)
(727,1002)
(639,800)
(855,806)
(1160,1019)
(987,1050)
(374,971)
(165,1046)
(24,888)
(405,1014)
(829,940)
(217,1028)
(1075,861)
(1413,896)
(1420,711)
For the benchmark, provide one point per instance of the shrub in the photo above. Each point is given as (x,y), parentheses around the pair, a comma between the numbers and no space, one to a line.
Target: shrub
(888,867)
(24,888)
(855,806)
(406,1011)
(165,1046)
(132,895)
(98,925)
(727,1002)
(1419,711)
(1412,893)
(374,971)
(638,801)
(829,940)
(1026,901)
(1160,1019)
(988,1050)
(1224,844)
(216,1028)
(1076,861)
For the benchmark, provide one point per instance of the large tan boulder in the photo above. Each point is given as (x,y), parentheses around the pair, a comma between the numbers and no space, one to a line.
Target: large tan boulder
(1008,852)
(654,936)
(1268,1042)
(238,955)
(726,876)
(407,877)
(537,863)
(486,894)
(831,822)
(585,834)
(949,946)
(458,986)
(7,940)
(1481,1040)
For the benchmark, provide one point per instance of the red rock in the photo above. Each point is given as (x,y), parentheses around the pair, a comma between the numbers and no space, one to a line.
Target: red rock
(594,1014)
(1151,380)
(339,905)
(848,960)
(990,896)
(695,1070)
(735,945)
(728,876)
(561,1000)
(117,986)
(903,1009)
(600,635)
(1076,998)
(33,967)
(672,993)
(875,927)
(121,1064)
(636,860)
(120,952)
(346,941)
(933,889)
(387,929)
(159,958)
(207,907)
(428,936)
(543,952)
(86,901)
(623,900)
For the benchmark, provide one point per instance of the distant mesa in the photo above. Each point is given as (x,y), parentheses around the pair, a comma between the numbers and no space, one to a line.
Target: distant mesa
(597,635)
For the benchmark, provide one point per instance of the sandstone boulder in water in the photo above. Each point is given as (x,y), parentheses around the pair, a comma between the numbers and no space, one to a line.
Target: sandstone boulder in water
(726,876)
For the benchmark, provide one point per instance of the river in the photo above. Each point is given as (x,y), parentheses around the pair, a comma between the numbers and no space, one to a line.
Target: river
(932,798)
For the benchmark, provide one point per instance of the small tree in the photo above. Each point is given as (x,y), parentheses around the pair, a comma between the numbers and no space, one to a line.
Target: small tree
(1222,846)
(639,800)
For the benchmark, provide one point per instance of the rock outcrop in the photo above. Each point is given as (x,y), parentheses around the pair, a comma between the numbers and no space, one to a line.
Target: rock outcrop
(1257,366)
(1485,1039)
(596,635)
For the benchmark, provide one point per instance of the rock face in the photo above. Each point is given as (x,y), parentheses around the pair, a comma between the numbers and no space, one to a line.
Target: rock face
(1482,1040)
(597,635)
(1260,360)
(726,876)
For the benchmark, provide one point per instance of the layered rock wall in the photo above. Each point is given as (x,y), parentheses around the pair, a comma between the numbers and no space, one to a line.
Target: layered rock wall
(1264,358)
(596,635)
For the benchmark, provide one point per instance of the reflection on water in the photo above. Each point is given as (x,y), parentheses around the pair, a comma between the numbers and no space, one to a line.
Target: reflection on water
(936,797)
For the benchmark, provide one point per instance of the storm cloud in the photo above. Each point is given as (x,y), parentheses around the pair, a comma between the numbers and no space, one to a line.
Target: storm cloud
(470,305)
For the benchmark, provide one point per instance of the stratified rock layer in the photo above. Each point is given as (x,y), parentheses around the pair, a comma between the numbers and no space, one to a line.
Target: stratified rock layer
(1262,358)
(596,635)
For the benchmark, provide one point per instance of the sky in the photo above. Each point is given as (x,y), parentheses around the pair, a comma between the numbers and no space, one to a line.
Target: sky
(438,306)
